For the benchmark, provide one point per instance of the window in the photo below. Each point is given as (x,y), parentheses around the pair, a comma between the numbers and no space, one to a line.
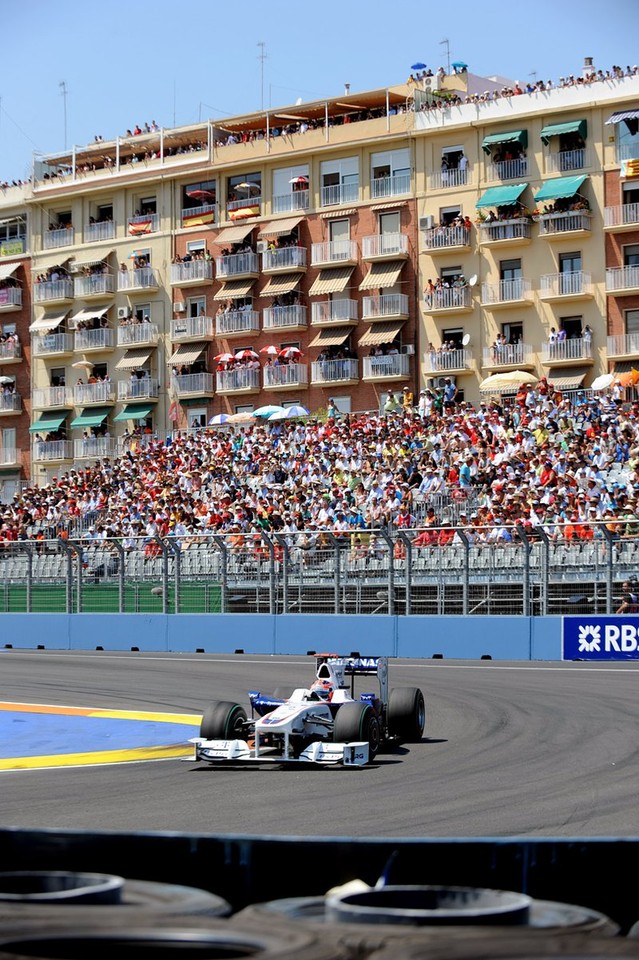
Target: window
(244,187)
(196,246)
(8,328)
(58,378)
(105,213)
(9,438)
(510,270)
(343,404)
(244,408)
(570,262)
(632,321)
(631,255)
(513,332)
(62,220)
(627,139)
(99,370)
(148,205)
(572,326)
(199,194)
(339,230)
(290,343)
(389,223)
(390,172)
(197,418)
(455,335)
(450,273)
(143,312)
(140,257)
(12,236)
(630,193)
(196,307)
(339,180)
(290,188)
(448,214)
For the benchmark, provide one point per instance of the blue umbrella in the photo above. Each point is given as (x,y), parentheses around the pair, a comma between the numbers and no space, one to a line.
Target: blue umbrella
(295,410)
(267,410)
(418,66)
(459,65)
(218,418)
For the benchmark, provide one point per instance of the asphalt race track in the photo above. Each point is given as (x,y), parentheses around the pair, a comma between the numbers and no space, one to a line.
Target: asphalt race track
(511,749)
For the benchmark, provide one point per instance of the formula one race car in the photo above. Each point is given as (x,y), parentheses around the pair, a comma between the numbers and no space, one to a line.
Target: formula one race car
(323,724)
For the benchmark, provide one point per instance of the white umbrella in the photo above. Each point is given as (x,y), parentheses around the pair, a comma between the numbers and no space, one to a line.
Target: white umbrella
(267,410)
(218,418)
(602,382)
(83,364)
(5,380)
(288,413)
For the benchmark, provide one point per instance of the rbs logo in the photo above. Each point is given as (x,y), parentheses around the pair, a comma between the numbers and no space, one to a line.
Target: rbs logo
(601,638)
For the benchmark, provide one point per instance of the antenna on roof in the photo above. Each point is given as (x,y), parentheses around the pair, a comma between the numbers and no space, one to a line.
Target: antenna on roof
(445,41)
(262,57)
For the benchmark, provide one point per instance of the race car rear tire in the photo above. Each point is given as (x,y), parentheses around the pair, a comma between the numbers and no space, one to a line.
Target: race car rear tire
(406,714)
(223,720)
(357,721)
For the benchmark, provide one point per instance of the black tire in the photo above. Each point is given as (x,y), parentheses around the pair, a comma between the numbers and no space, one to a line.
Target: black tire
(357,721)
(224,720)
(406,714)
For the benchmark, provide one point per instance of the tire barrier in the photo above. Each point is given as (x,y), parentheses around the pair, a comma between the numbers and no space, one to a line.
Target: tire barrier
(513,947)
(59,886)
(430,906)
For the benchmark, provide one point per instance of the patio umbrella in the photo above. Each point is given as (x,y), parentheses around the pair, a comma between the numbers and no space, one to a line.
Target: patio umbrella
(83,364)
(288,413)
(249,187)
(502,381)
(267,410)
(291,353)
(224,357)
(298,180)
(243,417)
(218,419)
(459,65)
(5,380)
(247,355)
(418,66)
(602,382)
(203,195)
(271,350)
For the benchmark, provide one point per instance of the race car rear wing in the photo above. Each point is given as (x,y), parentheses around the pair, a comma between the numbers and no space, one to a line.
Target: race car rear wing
(360,667)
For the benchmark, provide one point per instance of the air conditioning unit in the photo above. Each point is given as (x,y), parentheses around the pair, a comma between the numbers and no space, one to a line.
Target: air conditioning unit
(262,246)
(428,82)
(179,307)
(438,383)
(408,349)
(123,313)
(427,223)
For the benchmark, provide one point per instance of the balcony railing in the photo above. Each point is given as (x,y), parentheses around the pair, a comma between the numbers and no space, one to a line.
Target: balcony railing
(48,450)
(236,264)
(51,290)
(234,205)
(566,160)
(10,351)
(627,151)
(139,388)
(447,360)
(334,311)
(51,343)
(296,200)
(340,193)
(332,371)
(286,258)
(622,278)
(99,285)
(333,251)
(519,228)
(138,334)
(627,213)
(10,297)
(552,223)
(92,448)
(508,355)
(143,224)
(62,237)
(101,339)
(508,169)
(99,231)
(572,283)
(237,321)
(441,237)
(10,402)
(449,298)
(191,271)
(198,216)
(201,383)
(192,328)
(385,245)
(291,316)
(46,397)
(84,393)
(566,350)
(142,278)
(391,365)
(623,345)
(441,179)
(506,291)
(289,374)
(243,378)
(385,305)
(394,186)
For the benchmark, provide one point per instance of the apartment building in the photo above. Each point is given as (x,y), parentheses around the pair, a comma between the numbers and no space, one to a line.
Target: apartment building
(146,262)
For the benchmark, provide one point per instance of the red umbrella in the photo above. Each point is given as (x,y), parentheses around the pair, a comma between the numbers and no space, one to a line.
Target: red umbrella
(224,357)
(204,195)
(290,353)
(271,350)
(247,355)
(298,180)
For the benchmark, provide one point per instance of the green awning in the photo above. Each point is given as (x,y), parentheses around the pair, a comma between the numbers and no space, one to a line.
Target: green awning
(48,421)
(135,411)
(91,417)
(561,187)
(556,129)
(512,136)
(501,196)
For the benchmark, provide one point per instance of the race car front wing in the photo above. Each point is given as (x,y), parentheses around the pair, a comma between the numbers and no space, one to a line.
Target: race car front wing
(355,754)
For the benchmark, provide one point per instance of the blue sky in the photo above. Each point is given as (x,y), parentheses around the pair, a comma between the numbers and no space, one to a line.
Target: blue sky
(129,62)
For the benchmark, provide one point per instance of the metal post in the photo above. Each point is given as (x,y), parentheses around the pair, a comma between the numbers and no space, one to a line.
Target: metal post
(68,584)
(165,573)
(466,571)
(224,584)
(387,111)
(408,585)
(29,597)
(326,121)
(120,551)
(286,553)
(391,572)
(177,557)
(521,533)
(545,569)
(609,567)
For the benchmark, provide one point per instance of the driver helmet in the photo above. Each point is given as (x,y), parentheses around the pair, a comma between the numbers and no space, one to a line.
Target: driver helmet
(322,689)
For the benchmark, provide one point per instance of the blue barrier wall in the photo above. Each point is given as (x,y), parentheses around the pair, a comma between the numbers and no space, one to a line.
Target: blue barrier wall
(458,638)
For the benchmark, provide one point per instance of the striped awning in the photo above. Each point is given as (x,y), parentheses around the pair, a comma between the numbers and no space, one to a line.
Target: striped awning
(382,275)
(282,284)
(49,321)
(623,115)
(133,359)
(234,234)
(89,313)
(331,280)
(7,270)
(563,379)
(331,214)
(234,289)
(279,228)
(188,353)
(380,333)
(331,337)
(389,205)
(77,265)
(624,366)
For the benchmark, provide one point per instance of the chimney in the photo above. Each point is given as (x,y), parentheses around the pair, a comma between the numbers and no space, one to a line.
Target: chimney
(588,67)
(347,89)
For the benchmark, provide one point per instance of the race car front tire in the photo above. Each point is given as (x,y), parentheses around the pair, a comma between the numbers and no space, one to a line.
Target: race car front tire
(357,722)
(224,720)
(406,714)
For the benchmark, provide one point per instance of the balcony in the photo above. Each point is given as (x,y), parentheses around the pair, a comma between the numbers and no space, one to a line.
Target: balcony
(567,352)
(139,388)
(10,352)
(142,224)
(622,218)
(333,312)
(395,366)
(508,169)
(48,398)
(505,232)
(234,323)
(192,273)
(53,291)
(509,355)
(240,380)
(52,451)
(140,280)
(572,221)
(95,448)
(449,300)
(88,394)
(204,215)
(99,231)
(244,208)
(397,185)
(94,340)
(194,385)
(10,299)
(292,317)
(191,328)
(340,193)
(445,239)
(334,371)
(52,344)
(58,238)
(386,306)
(237,265)
(343,252)
(385,246)
(10,403)
(507,293)
(284,260)
(447,362)
(566,160)
(571,285)
(287,202)
(9,457)
(286,375)
(622,280)
(14,247)
(623,346)
(445,179)
(143,334)
(98,286)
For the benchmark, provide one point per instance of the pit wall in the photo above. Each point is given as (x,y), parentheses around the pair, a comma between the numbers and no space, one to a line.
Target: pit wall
(457,638)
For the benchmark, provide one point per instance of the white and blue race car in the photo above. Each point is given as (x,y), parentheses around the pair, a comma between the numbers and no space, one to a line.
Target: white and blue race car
(323,724)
